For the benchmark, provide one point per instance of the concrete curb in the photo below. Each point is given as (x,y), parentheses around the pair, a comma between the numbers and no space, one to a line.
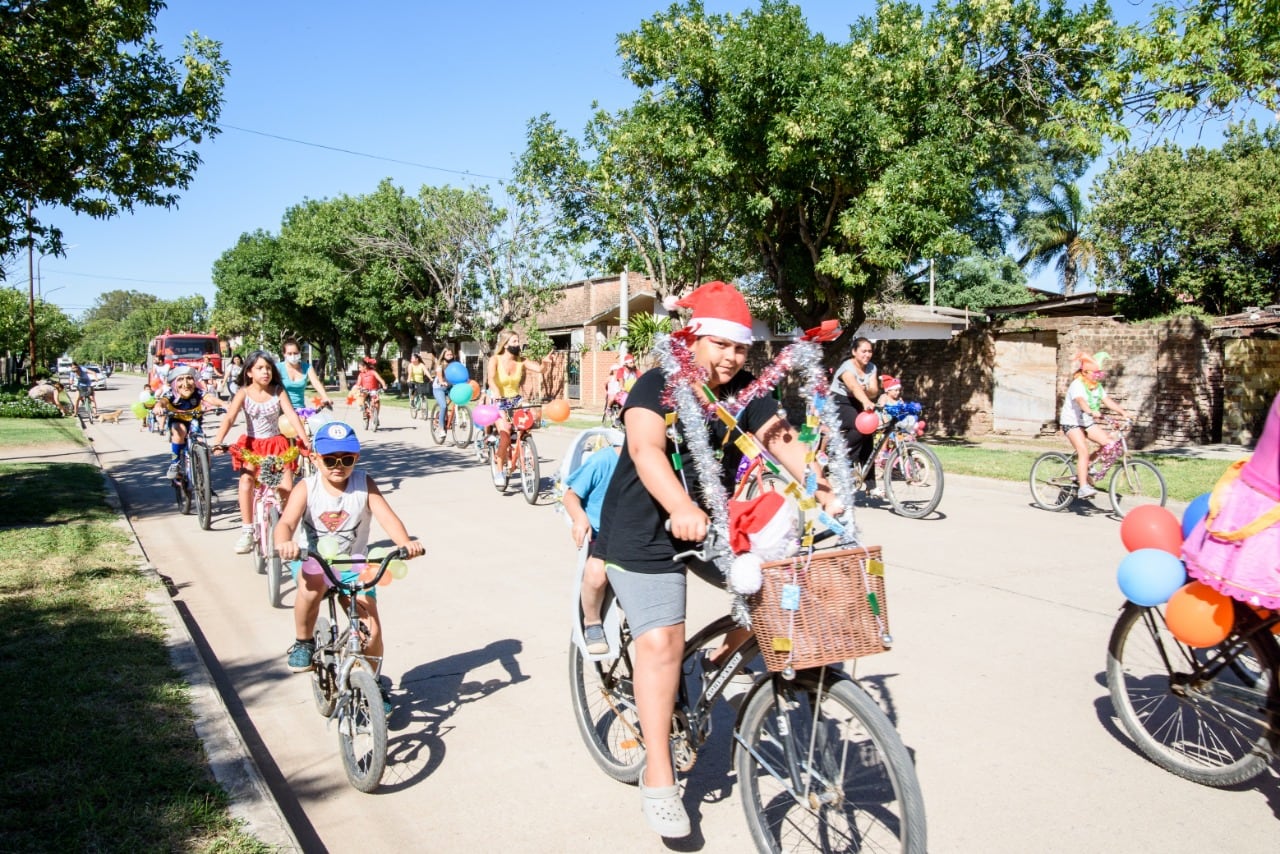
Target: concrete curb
(225,750)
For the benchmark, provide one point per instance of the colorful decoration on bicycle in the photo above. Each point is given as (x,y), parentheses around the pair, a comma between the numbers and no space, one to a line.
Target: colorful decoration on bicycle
(760,530)
(485,414)
(139,410)
(286,428)
(475,389)
(270,468)
(1199,616)
(557,410)
(1151,526)
(328,547)
(1148,577)
(456,373)
(460,394)
(867,423)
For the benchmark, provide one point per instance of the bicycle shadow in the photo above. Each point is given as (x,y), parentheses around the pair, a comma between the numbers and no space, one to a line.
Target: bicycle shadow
(427,698)
(1267,783)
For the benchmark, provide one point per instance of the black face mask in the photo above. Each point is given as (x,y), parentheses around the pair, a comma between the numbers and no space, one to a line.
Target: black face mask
(515,351)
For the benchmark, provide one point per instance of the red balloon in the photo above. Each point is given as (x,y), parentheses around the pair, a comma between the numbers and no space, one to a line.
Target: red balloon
(1151,527)
(867,422)
(556,410)
(1199,616)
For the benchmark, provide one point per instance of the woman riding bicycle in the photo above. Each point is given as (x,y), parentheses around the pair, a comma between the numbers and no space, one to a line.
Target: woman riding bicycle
(417,377)
(82,381)
(506,376)
(233,376)
(649,514)
(854,387)
(1085,399)
(440,386)
(295,374)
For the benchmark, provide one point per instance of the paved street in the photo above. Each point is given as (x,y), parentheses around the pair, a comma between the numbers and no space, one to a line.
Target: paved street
(1001,614)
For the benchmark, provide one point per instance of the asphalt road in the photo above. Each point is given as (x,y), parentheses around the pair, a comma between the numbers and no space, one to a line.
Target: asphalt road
(1001,614)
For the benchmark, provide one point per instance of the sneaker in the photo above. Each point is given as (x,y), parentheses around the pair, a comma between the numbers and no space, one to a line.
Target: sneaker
(386,699)
(244,545)
(500,479)
(597,643)
(1086,492)
(172,471)
(300,655)
(876,492)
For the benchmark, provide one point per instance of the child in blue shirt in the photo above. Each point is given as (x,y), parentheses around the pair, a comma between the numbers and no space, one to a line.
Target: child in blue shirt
(583,499)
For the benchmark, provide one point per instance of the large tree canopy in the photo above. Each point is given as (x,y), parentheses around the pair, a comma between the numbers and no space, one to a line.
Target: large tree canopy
(94,117)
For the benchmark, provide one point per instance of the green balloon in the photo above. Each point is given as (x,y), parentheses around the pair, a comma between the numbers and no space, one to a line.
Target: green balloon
(460,394)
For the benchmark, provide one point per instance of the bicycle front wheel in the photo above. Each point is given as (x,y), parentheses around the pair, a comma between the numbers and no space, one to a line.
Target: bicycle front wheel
(462,427)
(1136,482)
(203,488)
(362,731)
(271,559)
(604,705)
(530,477)
(437,429)
(913,480)
(324,676)
(1052,486)
(821,767)
(1203,714)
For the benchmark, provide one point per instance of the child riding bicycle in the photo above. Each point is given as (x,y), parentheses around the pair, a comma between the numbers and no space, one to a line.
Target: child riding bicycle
(182,402)
(369,383)
(337,501)
(1083,406)
(583,499)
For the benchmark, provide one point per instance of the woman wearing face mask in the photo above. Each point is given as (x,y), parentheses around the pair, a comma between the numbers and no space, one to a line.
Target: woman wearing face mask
(506,377)
(295,373)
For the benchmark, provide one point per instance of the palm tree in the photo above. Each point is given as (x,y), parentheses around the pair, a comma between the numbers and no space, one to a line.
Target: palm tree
(1050,224)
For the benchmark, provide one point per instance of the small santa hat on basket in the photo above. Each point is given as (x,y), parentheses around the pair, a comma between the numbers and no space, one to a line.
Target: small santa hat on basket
(718,309)
(760,530)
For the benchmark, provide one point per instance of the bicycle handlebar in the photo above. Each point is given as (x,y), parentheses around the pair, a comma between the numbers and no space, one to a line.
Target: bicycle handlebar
(398,553)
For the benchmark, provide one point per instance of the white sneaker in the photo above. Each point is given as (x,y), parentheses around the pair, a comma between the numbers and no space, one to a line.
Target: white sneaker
(171,472)
(876,492)
(1086,492)
(499,479)
(244,545)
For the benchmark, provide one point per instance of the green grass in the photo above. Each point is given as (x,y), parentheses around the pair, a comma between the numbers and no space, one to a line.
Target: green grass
(102,753)
(16,432)
(1185,477)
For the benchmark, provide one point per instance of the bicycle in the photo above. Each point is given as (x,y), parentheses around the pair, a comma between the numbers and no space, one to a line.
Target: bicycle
(344,681)
(1134,482)
(370,408)
(522,455)
(1209,715)
(193,481)
(419,403)
(457,422)
(86,408)
(818,761)
(267,474)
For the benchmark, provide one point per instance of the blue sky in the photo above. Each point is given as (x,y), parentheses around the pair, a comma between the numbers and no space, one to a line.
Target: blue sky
(446,85)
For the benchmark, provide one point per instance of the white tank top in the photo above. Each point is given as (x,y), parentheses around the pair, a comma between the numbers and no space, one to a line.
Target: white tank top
(263,418)
(344,516)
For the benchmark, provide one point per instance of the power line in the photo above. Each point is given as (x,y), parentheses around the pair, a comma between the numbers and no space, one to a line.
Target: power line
(123,278)
(364,154)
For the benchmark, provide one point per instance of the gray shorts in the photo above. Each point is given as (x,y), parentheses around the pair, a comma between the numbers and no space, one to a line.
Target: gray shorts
(652,600)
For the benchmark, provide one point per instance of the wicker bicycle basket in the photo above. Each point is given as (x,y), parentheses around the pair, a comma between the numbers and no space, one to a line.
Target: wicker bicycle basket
(835,620)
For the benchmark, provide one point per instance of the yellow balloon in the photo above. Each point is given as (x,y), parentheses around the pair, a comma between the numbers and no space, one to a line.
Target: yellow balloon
(398,569)
(377,554)
(286,428)
(328,547)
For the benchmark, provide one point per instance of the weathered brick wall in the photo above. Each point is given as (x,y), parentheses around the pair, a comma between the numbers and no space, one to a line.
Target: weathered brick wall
(1251,379)
(951,378)
(579,301)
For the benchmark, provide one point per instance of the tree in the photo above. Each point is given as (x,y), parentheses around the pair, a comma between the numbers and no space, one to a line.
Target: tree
(55,331)
(1050,226)
(94,118)
(1192,227)
(975,282)
(117,305)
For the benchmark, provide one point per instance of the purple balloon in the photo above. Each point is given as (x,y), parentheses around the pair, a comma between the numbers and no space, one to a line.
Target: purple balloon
(484,415)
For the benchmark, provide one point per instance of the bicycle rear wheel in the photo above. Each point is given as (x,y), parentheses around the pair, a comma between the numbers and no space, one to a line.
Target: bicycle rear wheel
(821,767)
(271,559)
(203,488)
(377,414)
(1210,723)
(1136,482)
(324,677)
(362,731)
(604,705)
(530,476)
(913,480)
(1052,486)
(437,429)
(462,427)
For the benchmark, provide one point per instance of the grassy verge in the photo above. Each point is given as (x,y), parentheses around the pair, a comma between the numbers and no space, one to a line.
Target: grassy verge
(111,761)
(1185,477)
(39,431)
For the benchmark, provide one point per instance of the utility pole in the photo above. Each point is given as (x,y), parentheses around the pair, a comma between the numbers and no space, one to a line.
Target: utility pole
(624,306)
(31,296)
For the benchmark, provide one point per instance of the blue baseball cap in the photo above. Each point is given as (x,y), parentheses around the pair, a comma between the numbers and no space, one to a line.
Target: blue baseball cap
(336,438)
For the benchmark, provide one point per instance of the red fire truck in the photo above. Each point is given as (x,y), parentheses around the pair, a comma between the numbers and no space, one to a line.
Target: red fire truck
(185,348)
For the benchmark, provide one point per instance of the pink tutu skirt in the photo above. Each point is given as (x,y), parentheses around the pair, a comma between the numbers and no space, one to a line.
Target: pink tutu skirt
(1247,569)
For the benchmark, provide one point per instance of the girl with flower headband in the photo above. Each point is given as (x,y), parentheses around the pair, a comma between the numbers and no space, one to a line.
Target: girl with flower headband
(1080,411)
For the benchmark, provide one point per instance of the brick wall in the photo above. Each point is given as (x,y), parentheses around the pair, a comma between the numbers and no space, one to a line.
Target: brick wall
(1251,379)
(951,378)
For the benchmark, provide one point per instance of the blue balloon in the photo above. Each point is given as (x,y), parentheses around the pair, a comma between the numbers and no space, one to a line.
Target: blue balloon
(1196,510)
(1149,577)
(455,373)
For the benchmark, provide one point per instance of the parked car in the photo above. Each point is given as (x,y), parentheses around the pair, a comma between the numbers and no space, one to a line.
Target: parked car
(97,375)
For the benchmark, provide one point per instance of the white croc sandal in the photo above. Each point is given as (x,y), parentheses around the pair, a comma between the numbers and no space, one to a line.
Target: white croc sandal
(664,811)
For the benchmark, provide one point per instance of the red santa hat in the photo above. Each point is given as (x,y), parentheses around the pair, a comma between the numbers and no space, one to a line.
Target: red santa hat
(719,310)
(760,530)
(887,382)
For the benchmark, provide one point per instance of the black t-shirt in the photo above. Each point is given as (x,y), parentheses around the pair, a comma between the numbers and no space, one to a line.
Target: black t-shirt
(632,522)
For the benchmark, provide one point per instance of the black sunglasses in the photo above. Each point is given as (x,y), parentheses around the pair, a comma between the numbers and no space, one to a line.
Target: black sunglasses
(343,460)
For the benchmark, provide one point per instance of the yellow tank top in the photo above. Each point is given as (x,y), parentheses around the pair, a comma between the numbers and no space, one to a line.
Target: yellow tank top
(509,385)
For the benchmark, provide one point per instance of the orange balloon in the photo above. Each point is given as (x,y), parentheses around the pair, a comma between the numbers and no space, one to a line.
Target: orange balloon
(386,579)
(475,389)
(1151,527)
(556,410)
(1199,616)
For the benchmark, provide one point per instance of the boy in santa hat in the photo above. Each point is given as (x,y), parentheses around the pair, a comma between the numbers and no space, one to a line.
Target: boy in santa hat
(649,515)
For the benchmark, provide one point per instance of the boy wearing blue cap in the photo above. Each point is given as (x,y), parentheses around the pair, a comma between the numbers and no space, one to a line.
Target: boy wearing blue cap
(336,501)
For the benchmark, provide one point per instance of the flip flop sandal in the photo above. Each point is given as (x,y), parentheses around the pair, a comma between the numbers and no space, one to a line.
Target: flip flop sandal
(664,811)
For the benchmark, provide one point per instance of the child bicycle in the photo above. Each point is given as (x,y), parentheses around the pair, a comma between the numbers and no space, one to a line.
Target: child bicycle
(344,681)
(268,471)
(1135,482)
(371,408)
(194,479)
(1210,714)
(819,764)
